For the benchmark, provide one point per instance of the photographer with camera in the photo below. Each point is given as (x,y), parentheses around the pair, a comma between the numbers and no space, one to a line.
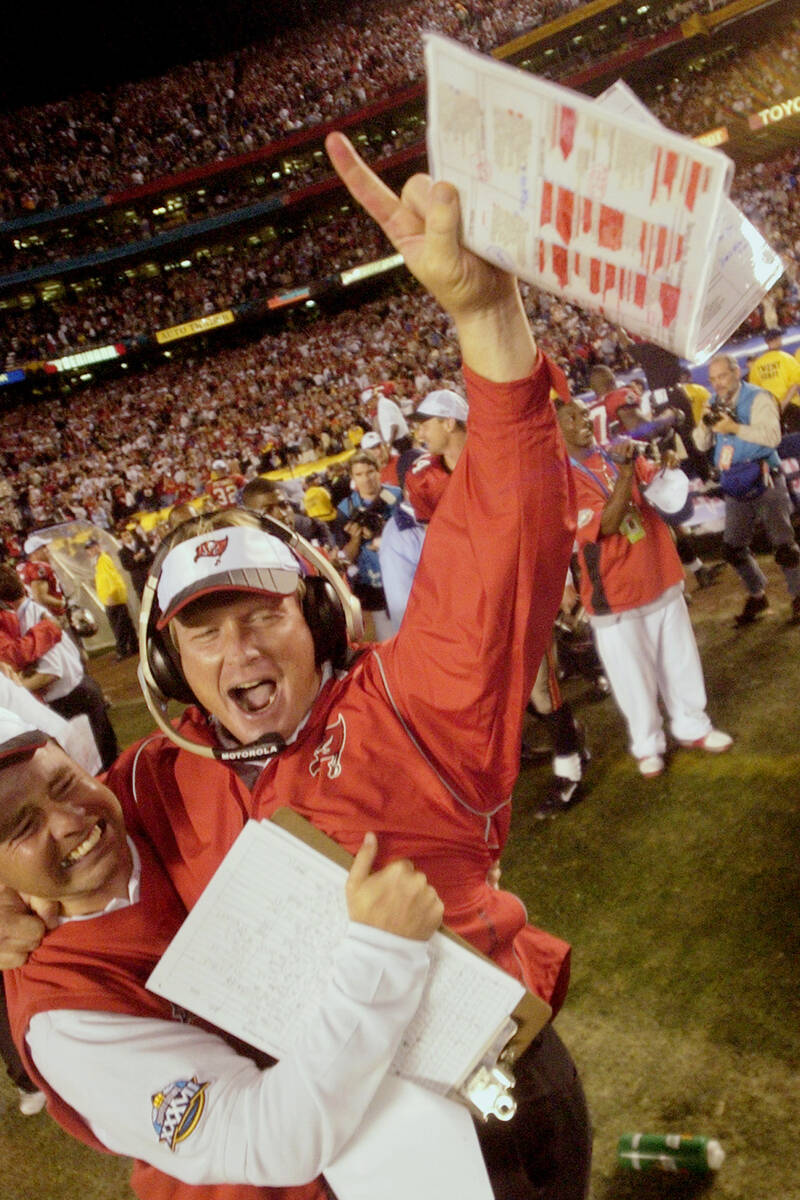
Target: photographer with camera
(742,426)
(360,519)
(631,583)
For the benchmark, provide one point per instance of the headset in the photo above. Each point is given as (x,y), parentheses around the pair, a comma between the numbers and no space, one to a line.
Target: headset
(332,613)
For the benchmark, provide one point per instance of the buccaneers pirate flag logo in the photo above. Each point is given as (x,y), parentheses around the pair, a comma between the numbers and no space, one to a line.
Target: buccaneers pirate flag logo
(329,752)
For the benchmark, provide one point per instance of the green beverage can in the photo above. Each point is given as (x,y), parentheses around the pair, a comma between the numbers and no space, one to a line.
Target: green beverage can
(669,1152)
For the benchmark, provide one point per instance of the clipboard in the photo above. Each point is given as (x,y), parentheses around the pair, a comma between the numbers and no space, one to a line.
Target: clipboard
(487,1089)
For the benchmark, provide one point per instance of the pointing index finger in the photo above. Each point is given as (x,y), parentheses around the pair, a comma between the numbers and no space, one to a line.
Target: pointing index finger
(363,184)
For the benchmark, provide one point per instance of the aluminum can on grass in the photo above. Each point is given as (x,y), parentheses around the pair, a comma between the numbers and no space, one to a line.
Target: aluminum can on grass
(669,1152)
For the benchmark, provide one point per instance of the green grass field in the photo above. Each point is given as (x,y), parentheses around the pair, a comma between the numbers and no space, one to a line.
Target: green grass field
(680,898)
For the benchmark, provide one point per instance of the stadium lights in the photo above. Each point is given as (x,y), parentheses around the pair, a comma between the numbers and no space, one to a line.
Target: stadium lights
(643,8)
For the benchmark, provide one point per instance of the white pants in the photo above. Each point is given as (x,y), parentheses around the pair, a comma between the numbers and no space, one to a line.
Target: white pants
(650,654)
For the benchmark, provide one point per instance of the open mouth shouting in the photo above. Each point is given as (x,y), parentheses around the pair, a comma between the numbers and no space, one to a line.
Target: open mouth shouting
(254,698)
(249,661)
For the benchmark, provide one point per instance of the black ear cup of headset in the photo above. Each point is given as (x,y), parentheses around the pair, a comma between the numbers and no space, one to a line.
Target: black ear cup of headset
(330,612)
(325,617)
(165,668)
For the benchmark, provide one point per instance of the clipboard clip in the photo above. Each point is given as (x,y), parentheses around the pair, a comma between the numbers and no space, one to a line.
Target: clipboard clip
(487,1089)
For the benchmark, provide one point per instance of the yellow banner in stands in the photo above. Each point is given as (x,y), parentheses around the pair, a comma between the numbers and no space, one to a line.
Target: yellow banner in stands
(175,332)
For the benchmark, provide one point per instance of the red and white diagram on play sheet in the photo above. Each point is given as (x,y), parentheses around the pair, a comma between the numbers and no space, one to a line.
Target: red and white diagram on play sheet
(612,214)
(745,266)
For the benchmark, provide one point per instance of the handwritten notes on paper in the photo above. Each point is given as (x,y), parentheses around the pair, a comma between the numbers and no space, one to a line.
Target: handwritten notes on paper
(256,952)
(580,198)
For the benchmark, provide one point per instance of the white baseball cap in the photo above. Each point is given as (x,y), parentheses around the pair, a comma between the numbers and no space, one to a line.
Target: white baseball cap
(18,739)
(668,494)
(34,542)
(236,558)
(370,440)
(442,403)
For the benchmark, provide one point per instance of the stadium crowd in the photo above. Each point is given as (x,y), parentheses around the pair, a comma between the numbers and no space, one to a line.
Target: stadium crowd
(210,110)
(725,87)
(259,404)
(301,385)
(128,309)
(116,308)
(204,112)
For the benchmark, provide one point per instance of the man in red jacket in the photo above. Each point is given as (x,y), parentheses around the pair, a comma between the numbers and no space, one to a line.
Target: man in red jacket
(417,738)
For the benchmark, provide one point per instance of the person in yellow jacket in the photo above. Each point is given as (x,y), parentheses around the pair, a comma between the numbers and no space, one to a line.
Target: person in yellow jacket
(777,372)
(699,396)
(113,595)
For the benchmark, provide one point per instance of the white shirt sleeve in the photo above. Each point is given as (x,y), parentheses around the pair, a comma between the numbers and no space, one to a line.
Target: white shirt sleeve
(765,422)
(277,1127)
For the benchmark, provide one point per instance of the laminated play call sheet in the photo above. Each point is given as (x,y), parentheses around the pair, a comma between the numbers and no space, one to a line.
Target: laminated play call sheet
(591,200)
(257,949)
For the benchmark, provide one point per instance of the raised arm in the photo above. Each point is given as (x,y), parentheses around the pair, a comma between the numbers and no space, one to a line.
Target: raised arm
(617,504)
(424,225)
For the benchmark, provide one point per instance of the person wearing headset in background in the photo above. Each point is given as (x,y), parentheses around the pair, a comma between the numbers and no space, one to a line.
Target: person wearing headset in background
(417,738)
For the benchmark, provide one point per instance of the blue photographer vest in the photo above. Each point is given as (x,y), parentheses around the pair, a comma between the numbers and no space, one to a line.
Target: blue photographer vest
(744,451)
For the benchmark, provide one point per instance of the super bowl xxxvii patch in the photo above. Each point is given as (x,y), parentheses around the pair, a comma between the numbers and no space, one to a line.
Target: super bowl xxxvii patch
(177,1110)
